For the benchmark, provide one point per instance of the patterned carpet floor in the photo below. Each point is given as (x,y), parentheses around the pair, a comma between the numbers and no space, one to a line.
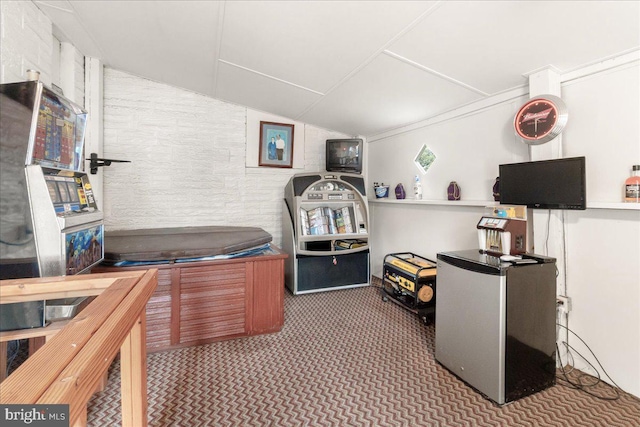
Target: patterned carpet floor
(343,358)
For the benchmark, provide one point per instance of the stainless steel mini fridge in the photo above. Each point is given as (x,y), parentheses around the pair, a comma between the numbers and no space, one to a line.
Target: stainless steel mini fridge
(495,322)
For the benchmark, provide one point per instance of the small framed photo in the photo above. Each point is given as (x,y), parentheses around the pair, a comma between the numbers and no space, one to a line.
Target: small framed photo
(276,145)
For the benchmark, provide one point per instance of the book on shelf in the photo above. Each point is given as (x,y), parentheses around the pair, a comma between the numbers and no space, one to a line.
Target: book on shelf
(340,225)
(319,230)
(304,222)
(318,220)
(349,244)
(331,220)
(325,220)
(315,213)
(348,216)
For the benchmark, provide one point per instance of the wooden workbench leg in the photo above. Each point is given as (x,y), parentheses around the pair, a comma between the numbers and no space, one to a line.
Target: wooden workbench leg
(3,360)
(35,343)
(133,372)
(82,420)
(102,385)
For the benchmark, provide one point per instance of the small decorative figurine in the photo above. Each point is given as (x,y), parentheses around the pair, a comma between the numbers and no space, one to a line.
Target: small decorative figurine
(453,191)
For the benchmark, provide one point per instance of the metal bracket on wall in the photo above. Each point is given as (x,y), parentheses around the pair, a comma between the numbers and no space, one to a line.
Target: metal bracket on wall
(97,162)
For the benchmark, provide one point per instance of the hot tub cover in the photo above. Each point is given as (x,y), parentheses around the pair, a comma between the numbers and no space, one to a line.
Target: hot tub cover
(174,244)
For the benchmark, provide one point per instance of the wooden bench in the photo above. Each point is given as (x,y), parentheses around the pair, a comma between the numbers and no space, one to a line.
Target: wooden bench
(70,366)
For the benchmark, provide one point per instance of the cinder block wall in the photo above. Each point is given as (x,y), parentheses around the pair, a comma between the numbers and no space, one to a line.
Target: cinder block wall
(188,160)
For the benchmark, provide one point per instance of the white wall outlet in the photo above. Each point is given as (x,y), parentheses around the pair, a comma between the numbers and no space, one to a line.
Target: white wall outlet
(563,303)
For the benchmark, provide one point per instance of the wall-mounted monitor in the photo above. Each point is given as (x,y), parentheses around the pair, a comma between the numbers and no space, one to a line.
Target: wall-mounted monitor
(547,184)
(344,155)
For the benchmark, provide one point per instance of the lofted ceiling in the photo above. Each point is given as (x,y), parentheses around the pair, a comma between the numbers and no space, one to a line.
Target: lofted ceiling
(359,67)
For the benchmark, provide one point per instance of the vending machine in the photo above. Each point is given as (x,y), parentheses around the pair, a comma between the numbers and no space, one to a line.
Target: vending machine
(50,224)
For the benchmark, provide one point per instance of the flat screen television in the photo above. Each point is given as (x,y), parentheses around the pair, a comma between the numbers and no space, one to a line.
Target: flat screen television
(547,184)
(344,155)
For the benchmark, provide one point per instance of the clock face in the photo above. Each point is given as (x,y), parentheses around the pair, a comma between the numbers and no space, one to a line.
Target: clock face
(540,119)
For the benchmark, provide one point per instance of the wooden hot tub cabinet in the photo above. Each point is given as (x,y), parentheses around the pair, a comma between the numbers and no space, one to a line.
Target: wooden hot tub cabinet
(204,301)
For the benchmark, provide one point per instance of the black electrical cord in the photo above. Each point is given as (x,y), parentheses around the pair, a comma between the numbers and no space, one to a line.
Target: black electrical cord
(591,351)
(572,362)
(21,243)
(581,386)
(16,243)
(597,378)
(12,357)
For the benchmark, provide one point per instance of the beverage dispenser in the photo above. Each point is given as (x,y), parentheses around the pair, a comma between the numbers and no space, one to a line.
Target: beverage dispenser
(502,230)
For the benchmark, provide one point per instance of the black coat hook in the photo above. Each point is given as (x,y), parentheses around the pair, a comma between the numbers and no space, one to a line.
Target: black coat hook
(97,162)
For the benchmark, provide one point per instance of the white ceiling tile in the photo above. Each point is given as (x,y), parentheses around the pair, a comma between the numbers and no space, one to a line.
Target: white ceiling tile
(387,93)
(169,41)
(262,93)
(68,28)
(379,64)
(491,44)
(311,43)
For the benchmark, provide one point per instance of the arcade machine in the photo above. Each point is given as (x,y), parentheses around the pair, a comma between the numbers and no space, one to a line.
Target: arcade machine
(50,224)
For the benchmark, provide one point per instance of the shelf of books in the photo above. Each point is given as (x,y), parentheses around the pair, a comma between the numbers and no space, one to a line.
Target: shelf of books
(326,220)
(337,221)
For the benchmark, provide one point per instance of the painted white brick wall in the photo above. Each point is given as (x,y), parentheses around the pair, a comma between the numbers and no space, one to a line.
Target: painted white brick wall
(79,77)
(25,42)
(71,76)
(188,160)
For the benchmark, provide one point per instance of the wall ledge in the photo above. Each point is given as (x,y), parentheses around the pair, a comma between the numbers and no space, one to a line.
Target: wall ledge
(485,203)
(481,203)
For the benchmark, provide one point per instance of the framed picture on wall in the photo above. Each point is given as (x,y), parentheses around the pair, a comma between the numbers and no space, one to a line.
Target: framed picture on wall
(276,145)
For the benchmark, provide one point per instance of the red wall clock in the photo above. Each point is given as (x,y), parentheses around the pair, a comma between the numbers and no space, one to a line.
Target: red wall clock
(540,119)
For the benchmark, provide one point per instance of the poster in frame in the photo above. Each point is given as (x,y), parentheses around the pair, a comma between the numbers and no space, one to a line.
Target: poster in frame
(276,145)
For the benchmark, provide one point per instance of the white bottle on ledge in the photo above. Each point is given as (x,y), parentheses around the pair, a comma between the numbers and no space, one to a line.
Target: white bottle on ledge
(417,188)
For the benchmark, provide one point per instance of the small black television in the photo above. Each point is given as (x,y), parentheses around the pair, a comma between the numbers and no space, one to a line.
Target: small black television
(546,184)
(344,155)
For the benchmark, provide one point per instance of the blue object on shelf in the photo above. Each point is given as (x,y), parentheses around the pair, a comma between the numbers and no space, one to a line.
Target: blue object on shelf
(382,191)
